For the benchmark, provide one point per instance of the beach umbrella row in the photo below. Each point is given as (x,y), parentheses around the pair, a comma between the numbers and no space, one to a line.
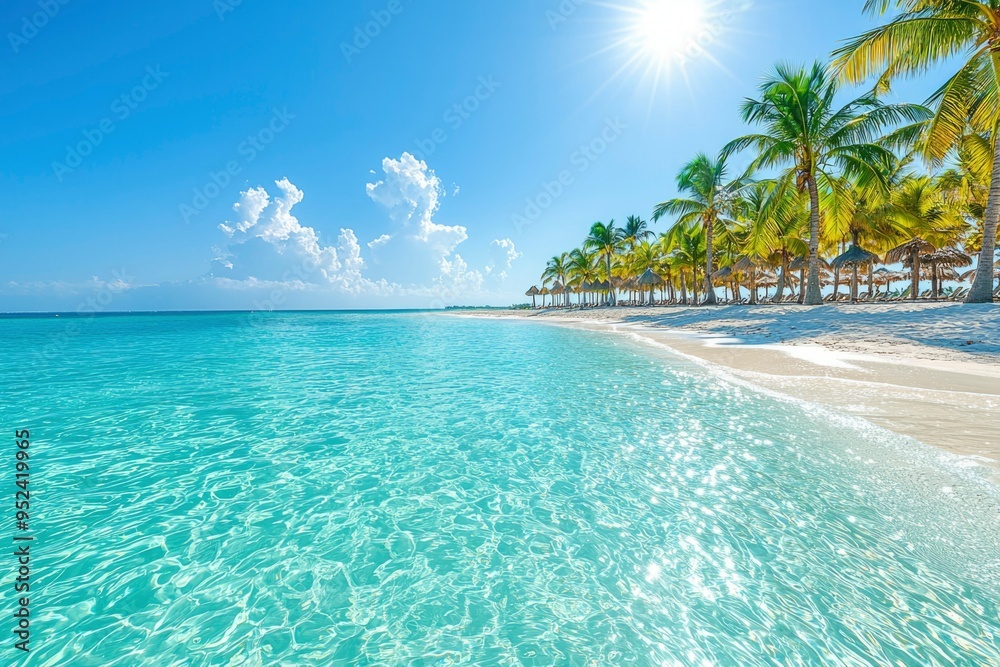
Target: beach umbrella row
(921,259)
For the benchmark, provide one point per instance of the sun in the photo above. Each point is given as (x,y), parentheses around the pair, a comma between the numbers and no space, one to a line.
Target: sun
(662,43)
(668,31)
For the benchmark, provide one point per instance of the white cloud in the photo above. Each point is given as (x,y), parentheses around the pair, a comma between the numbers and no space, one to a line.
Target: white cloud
(267,247)
(382,240)
(505,254)
(252,203)
(412,193)
(507,246)
(272,222)
(456,276)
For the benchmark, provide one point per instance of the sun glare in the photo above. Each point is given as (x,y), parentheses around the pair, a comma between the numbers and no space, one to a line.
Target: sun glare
(668,30)
(662,43)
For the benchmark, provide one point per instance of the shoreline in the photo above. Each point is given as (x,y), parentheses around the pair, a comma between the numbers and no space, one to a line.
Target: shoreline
(943,391)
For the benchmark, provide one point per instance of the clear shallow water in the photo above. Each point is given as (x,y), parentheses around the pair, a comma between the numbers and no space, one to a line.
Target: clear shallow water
(309,489)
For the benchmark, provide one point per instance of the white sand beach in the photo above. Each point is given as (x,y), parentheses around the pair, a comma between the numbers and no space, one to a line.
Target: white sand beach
(926,370)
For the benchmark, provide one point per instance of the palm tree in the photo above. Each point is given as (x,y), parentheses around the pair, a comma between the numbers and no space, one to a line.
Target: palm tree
(685,248)
(931,221)
(581,270)
(709,201)
(926,33)
(636,230)
(646,256)
(818,142)
(772,220)
(556,270)
(605,239)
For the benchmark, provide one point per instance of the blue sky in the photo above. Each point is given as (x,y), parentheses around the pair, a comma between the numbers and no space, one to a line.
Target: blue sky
(132,129)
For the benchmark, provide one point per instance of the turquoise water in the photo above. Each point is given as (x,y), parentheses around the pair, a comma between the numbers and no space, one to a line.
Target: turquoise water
(317,489)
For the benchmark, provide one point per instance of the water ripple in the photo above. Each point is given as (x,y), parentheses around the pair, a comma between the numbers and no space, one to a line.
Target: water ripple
(404,490)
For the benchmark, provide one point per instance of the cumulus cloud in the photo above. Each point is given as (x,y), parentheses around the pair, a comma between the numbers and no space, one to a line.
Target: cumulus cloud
(456,276)
(267,247)
(262,218)
(412,193)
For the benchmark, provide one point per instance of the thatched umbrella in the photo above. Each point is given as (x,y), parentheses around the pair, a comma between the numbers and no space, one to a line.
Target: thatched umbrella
(747,266)
(599,286)
(767,280)
(725,276)
(883,276)
(557,290)
(853,258)
(724,273)
(971,273)
(544,292)
(950,258)
(909,254)
(533,292)
(651,280)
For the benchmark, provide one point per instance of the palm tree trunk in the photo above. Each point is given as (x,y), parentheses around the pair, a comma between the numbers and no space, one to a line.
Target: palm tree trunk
(780,291)
(915,276)
(710,299)
(871,279)
(814,295)
(836,283)
(934,281)
(854,283)
(684,289)
(753,287)
(982,286)
(802,285)
(611,288)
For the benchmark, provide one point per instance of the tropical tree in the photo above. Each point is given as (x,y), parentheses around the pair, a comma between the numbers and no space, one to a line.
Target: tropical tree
(685,249)
(708,202)
(581,271)
(606,239)
(965,186)
(818,143)
(636,231)
(772,220)
(556,271)
(926,33)
(930,220)
(645,256)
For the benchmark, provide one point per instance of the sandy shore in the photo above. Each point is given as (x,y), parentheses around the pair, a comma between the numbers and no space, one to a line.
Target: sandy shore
(929,371)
